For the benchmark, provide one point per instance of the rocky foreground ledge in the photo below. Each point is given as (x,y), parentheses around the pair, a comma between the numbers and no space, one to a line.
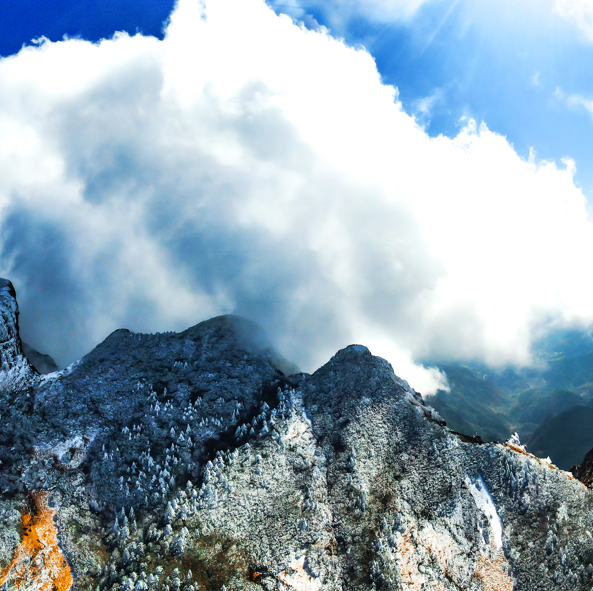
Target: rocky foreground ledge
(202,461)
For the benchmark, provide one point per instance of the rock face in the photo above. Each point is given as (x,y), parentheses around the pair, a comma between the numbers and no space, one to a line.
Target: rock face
(584,471)
(14,367)
(193,461)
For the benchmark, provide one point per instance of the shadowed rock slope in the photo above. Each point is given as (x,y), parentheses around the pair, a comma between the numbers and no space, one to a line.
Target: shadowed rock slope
(42,363)
(192,461)
(584,471)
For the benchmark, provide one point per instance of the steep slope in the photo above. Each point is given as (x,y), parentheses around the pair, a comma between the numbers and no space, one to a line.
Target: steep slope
(584,471)
(15,370)
(495,404)
(475,404)
(567,437)
(191,461)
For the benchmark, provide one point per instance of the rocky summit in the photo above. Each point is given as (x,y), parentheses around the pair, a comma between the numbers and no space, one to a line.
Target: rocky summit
(203,460)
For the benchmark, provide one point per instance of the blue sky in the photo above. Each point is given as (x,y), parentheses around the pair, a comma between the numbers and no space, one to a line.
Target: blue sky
(22,21)
(228,158)
(513,65)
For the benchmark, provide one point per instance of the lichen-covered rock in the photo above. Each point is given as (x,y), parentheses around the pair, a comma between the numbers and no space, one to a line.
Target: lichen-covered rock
(193,461)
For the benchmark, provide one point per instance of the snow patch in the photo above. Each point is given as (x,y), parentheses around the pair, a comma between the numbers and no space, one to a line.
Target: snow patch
(307,419)
(298,578)
(60,373)
(70,453)
(485,503)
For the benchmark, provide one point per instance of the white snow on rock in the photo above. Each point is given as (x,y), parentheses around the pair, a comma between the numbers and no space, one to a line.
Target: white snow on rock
(485,503)
(298,578)
(69,454)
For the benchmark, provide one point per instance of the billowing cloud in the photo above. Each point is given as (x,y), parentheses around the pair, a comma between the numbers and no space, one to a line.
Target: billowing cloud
(579,13)
(246,164)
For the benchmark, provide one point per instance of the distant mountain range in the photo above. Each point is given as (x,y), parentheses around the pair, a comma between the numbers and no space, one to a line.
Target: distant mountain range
(550,405)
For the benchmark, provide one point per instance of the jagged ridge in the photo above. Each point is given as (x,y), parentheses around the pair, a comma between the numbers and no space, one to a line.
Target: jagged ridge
(191,461)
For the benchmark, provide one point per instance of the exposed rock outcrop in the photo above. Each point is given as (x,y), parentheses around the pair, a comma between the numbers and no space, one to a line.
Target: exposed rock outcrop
(192,461)
(584,471)
(15,370)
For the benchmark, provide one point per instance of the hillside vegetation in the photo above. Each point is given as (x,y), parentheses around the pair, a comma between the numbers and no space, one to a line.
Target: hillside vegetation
(550,405)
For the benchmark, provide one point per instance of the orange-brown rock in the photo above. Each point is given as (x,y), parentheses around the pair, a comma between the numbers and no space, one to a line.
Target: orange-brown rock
(38,563)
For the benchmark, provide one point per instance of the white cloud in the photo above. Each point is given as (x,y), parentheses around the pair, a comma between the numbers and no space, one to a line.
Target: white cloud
(575,100)
(579,13)
(424,106)
(245,164)
(534,80)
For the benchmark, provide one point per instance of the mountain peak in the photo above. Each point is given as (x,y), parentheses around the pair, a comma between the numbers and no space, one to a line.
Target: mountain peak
(192,461)
(14,367)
